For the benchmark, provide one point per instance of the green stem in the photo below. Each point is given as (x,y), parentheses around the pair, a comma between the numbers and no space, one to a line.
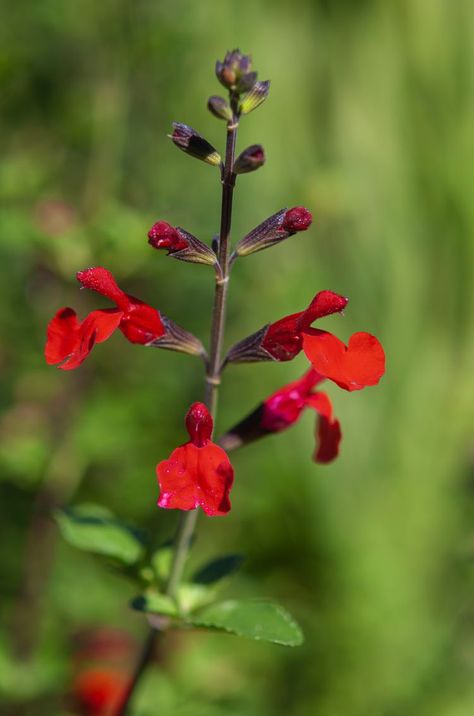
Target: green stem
(187,523)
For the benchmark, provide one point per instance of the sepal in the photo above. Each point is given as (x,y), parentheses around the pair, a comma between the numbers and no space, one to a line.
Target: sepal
(254,98)
(180,244)
(178,339)
(249,160)
(220,108)
(191,142)
(249,350)
(249,429)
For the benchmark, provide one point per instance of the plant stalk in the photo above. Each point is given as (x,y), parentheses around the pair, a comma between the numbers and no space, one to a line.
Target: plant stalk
(187,523)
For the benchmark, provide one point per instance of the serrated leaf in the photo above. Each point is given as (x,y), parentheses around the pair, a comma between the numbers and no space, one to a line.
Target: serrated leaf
(155,603)
(218,569)
(95,529)
(255,619)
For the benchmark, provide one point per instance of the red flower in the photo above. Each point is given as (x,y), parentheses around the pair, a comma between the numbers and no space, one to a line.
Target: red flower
(198,473)
(99,691)
(284,408)
(283,340)
(69,341)
(352,367)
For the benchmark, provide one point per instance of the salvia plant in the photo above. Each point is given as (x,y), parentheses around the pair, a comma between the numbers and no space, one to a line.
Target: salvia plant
(199,473)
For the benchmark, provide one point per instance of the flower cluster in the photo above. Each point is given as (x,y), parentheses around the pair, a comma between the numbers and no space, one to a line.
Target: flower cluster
(199,472)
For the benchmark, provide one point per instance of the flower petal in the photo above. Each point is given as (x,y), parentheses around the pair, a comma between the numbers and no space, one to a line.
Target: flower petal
(283,339)
(328,431)
(101,280)
(141,323)
(62,336)
(196,477)
(323,304)
(329,436)
(95,328)
(352,367)
(285,406)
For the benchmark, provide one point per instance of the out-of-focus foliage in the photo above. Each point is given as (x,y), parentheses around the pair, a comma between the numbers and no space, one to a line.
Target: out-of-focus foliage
(370,123)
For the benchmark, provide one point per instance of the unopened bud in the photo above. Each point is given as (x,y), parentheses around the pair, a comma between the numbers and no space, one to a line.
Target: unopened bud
(234,67)
(276,228)
(250,159)
(254,97)
(191,142)
(220,108)
(180,244)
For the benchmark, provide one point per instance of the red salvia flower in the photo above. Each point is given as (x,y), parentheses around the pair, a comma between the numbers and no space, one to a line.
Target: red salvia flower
(69,341)
(98,691)
(283,409)
(198,473)
(283,340)
(352,367)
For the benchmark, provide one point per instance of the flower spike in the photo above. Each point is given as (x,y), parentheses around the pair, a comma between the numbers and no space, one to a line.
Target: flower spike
(198,473)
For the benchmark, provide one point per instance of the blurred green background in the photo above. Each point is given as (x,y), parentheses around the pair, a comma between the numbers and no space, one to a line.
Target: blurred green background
(369,123)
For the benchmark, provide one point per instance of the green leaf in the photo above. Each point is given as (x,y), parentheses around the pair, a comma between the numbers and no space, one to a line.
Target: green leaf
(218,569)
(261,620)
(155,603)
(95,529)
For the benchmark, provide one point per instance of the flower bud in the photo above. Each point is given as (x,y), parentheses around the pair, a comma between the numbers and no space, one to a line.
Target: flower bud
(191,142)
(276,228)
(232,70)
(180,244)
(250,159)
(220,108)
(254,97)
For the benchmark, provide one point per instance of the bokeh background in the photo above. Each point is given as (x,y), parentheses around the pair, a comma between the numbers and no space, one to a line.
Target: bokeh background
(370,123)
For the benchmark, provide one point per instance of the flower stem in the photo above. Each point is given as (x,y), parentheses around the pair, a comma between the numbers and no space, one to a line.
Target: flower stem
(187,523)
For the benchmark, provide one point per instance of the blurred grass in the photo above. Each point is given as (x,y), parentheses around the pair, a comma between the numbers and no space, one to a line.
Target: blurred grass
(370,123)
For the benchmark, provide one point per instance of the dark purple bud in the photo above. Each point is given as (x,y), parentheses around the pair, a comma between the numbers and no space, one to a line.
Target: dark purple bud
(233,68)
(246,82)
(180,244)
(250,159)
(220,108)
(191,142)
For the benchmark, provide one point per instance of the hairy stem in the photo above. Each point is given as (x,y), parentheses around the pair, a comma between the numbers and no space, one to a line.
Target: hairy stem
(188,520)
